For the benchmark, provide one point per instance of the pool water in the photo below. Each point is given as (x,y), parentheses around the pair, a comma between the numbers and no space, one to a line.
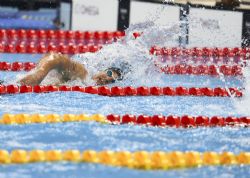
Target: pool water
(97,136)
(15,19)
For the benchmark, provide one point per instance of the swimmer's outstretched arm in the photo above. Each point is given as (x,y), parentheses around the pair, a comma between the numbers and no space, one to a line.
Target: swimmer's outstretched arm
(69,70)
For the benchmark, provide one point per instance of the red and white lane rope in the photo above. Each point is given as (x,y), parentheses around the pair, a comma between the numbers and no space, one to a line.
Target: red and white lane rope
(126,91)
(201,56)
(58,34)
(31,40)
(17,66)
(201,60)
(71,48)
(179,121)
(43,48)
(213,70)
(201,52)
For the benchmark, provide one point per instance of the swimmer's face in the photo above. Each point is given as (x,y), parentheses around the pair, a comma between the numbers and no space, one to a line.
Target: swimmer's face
(105,77)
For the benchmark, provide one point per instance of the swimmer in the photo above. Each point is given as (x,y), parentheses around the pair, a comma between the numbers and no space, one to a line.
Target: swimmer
(68,70)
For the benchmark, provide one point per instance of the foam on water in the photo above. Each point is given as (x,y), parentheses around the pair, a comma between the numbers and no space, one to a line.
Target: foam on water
(134,52)
(242,104)
(130,52)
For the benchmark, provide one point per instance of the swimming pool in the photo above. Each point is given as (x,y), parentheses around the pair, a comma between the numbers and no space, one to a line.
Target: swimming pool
(98,136)
(125,137)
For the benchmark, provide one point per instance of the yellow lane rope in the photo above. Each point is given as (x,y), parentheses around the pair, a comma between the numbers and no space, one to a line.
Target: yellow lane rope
(9,119)
(135,160)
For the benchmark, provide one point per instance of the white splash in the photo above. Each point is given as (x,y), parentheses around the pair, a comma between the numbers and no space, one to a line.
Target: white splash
(242,105)
(134,53)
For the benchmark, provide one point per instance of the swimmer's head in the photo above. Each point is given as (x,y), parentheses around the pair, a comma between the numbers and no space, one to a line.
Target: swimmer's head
(111,74)
(108,76)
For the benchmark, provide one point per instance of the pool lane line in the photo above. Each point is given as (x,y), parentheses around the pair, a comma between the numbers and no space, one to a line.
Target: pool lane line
(218,61)
(17,66)
(62,35)
(42,48)
(54,35)
(57,35)
(184,121)
(179,69)
(244,53)
(71,47)
(240,55)
(157,160)
(126,91)
(34,36)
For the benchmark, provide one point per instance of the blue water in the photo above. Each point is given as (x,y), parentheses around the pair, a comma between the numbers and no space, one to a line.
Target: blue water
(40,19)
(124,137)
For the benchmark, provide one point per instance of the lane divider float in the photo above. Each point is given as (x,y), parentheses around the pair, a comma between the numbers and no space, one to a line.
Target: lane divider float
(74,48)
(216,60)
(213,70)
(34,48)
(179,69)
(157,160)
(184,121)
(78,35)
(126,91)
(17,66)
(43,41)
(201,52)
(9,119)
(22,34)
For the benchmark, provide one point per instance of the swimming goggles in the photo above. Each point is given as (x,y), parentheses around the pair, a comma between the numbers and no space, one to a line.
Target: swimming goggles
(109,73)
